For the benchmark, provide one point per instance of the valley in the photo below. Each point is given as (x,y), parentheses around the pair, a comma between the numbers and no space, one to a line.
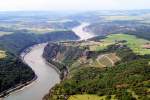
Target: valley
(47,77)
(101,55)
(15,73)
(113,66)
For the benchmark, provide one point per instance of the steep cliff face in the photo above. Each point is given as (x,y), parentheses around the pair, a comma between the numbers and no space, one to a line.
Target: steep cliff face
(62,53)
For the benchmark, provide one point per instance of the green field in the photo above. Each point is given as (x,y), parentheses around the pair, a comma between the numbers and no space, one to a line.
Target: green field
(122,17)
(134,43)
(100,46)
(87,97)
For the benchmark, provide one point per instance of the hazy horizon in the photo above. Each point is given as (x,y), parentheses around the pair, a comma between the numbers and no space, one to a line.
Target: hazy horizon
(72,5)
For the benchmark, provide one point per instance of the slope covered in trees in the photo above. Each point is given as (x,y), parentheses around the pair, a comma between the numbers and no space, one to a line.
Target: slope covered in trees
(13,72)
(128,79)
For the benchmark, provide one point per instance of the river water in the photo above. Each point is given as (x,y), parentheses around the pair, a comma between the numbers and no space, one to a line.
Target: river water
(47,77)
(79,30)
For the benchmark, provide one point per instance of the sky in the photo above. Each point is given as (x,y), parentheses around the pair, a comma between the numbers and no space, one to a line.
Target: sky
(79,5)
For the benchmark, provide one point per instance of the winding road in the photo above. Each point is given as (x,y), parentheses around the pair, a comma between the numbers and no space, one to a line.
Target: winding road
(47,77)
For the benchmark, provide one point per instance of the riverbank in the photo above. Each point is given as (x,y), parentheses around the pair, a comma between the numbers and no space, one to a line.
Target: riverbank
(16,88)
(33,63)
(47,76)
(21,85)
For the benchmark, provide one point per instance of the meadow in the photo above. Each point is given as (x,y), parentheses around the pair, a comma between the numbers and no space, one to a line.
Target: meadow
(133,42)
(87,97)
(122,17)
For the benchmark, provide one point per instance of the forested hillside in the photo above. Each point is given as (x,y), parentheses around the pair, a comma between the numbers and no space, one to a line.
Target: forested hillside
(110,68)
(18,41)
(129,27)
(13,72)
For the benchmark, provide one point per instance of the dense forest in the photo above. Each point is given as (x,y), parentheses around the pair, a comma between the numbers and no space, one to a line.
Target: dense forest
(13,72)
(107,82)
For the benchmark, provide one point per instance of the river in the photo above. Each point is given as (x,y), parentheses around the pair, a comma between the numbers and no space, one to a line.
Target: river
(47,77)
(79,30)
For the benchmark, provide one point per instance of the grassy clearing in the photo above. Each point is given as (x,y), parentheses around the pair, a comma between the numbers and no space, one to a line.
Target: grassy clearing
(112,18)
(40,31)
(100,46)
(136,44)
(105,60)
(133,94)
(4,33)
(146,83)
(113,57)
(43,30)
(108,60)
(96,63)
(87,97)
(2,54)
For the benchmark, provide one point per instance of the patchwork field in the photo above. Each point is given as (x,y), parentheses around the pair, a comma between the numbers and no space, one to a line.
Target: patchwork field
(122,17)
(136,44)
(133,42)
(91,97)
(2,54)
(39,30)
(105,60)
